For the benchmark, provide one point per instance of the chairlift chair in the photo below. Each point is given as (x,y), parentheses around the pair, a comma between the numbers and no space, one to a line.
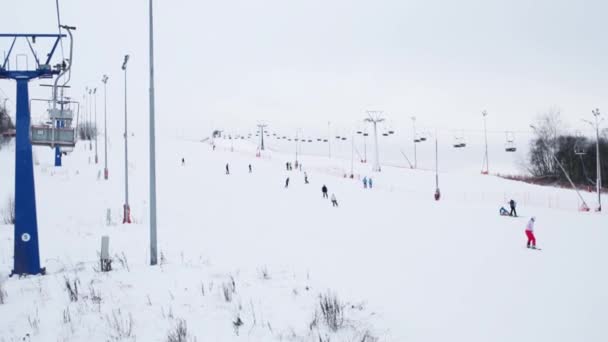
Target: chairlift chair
(510,143)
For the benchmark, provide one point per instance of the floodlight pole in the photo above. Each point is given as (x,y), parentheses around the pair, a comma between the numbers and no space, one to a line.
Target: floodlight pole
(598,182)
(485,132)
(414,140)
(105,127)
(329,138)
(437,192)
(375,117)
(95,126)
(126,208)
(153,237)
(90,117)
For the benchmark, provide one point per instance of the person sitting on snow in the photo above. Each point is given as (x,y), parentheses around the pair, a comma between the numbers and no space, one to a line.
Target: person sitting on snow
(503,211)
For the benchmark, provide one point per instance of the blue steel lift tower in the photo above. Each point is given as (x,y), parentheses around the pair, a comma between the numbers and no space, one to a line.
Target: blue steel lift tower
(27,255)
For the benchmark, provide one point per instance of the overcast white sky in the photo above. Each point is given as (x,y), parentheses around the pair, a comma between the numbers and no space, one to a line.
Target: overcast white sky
(303,63)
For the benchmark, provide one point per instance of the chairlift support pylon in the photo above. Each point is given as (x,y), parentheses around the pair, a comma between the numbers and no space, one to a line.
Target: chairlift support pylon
(26,248)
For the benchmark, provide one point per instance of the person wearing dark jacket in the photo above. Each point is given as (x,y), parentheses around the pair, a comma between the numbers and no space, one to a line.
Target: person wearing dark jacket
(227,169)
(287,182)
(513,211)
(324,191)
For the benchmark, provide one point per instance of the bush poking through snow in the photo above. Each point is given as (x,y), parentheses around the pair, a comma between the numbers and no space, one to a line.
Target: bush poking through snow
(124,263)
(237,323)
(120,326)
(264,274)
(72,288)
(8,214)
(179,333)
(3,294)
(332,311)
(228,289)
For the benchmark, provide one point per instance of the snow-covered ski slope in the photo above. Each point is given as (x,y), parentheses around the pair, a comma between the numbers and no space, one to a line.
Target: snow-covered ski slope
(406,267)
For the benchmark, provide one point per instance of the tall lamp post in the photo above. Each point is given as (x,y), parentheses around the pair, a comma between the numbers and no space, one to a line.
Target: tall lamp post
(126,208)
(598,182)
(485,168)
(90,118)
(106,173)
(153,241)
(95,126)
(375,117)
(414,141)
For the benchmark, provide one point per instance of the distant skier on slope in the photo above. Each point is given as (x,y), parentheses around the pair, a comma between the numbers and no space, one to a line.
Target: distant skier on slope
(512,204)
(287,182)
(364,182)
(530,233)
(227,169)
(324,191)
(183,161)
(250,168)
(305,178)
(369,181)
(334,201)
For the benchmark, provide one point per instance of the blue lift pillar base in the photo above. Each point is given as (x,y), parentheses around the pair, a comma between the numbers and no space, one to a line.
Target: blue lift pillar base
(27,255)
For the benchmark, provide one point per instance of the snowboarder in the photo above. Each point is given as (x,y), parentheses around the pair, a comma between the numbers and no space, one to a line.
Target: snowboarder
(227,169)
(364,182)
(249,168)
(512,204)
(334,201)
(324,191)
(530,233)
(287,182)
(369,181)
(305,178)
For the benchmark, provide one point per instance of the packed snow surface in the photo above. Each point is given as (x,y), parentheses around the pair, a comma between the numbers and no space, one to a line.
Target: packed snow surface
(404,266)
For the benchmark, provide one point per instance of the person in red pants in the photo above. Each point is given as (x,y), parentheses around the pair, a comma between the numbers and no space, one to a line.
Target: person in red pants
(530,233)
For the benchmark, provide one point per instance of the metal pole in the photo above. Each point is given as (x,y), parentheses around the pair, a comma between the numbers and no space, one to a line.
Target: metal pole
(105,127)
(487,162)
(377,159)
(414,127)
(596,114)
(153,238)
(352,154)
(126,208)
(95,126)
(329,137)
(436,162)
(90,117)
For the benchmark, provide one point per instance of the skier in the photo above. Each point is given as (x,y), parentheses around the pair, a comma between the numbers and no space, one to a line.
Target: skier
(364,182)
(530,233)
(334,201)
(249,168)
(183,161)
(227,169)
(369,181)
(324,191)
(512,205)
(305,178)
(287,182)
(214,147)
(287,166)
